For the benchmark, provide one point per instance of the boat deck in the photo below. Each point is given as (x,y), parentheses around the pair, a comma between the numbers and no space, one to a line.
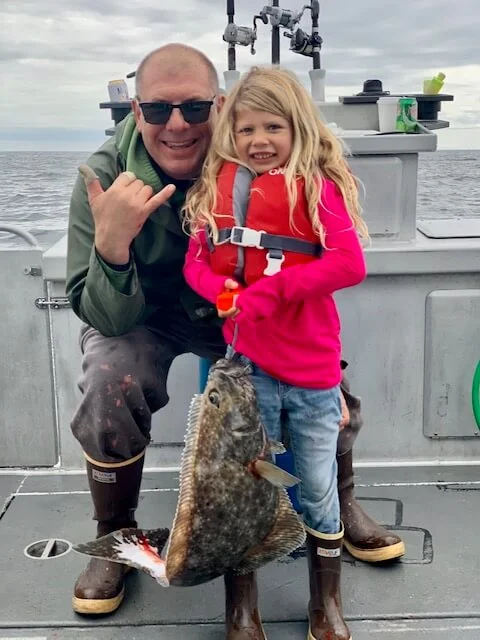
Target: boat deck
(430,593)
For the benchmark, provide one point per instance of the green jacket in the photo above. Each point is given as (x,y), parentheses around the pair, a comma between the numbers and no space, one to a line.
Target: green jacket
(115,301)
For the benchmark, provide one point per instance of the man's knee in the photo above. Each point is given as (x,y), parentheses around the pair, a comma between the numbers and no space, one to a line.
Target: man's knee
(123,382)
(130,366)
(113,419)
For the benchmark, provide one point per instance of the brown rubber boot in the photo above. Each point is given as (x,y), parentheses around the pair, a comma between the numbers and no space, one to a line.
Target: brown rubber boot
(242,618)
(364,538)
(114,488)
(325,615)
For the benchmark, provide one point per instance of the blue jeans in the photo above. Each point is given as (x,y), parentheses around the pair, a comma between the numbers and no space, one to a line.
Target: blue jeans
(312,418)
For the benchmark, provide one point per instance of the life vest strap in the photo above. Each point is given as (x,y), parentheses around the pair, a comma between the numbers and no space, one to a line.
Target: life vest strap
(246,237)
(275,259)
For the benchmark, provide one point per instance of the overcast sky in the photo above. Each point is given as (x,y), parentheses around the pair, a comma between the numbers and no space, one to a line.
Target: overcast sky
(57,56)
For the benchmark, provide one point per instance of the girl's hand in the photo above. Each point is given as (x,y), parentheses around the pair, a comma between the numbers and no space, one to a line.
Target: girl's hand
(231,313)
(229,285)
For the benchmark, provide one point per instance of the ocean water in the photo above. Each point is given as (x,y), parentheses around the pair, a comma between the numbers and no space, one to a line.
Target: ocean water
(35,190)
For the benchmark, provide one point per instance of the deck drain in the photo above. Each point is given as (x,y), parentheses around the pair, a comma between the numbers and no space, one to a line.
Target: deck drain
(47,549)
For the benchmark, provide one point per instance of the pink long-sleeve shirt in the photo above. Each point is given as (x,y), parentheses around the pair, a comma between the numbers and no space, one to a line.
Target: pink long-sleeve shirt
(288,323)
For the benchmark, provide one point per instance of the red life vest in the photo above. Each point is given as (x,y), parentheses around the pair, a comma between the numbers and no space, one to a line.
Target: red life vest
(256,237)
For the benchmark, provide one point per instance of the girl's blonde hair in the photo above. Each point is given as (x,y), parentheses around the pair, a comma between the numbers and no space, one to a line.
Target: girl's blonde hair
(316,152)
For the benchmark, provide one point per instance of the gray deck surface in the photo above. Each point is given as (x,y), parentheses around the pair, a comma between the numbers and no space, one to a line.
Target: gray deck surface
(431,593)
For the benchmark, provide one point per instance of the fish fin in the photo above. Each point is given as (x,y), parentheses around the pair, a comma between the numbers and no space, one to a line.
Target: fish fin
(286,535)
(278,477)
(276,447)
(133,547)
(194,412)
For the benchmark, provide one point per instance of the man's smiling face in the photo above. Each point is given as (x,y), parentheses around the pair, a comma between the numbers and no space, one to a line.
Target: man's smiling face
(179,148)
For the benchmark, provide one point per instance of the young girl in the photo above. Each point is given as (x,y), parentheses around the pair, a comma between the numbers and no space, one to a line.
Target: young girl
(274,219)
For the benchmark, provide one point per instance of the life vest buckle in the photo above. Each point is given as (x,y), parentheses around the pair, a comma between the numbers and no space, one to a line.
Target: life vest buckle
(275,259)
(245,237)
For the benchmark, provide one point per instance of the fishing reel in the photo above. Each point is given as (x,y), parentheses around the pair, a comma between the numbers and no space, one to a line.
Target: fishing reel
(281,17)
(300,41)
(244,36)
(304,43)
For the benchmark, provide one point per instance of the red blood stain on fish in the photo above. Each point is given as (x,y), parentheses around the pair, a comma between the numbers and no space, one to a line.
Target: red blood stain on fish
(150,551)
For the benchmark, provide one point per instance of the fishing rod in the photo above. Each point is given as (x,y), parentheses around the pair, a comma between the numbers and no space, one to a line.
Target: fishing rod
(310,45)
(280,18)
(316,38)
(232,59)
(233,36)
(300,42)
(275,32)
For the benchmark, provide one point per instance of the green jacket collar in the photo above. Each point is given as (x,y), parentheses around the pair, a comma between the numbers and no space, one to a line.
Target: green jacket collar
(131,147)
(136,159)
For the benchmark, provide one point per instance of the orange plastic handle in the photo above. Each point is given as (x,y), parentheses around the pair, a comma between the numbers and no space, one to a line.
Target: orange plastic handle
(225,299)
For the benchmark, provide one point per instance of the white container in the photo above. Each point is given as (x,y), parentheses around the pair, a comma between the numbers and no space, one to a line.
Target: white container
(118,91)
(387,113)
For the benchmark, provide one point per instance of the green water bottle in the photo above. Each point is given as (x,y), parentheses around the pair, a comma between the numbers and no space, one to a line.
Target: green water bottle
(434,85)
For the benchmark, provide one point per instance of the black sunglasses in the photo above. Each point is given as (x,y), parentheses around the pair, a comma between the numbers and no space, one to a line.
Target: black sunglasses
(193,112)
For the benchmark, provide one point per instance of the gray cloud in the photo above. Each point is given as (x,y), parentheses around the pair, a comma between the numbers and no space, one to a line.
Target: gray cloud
(56,56)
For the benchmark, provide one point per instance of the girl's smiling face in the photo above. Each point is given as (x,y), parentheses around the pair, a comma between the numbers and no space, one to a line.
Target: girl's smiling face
(264,141)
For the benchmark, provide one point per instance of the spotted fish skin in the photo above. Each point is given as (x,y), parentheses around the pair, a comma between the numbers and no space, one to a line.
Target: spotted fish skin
(229,516)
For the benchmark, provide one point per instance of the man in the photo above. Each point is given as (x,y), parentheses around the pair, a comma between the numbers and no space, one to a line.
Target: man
(126,250)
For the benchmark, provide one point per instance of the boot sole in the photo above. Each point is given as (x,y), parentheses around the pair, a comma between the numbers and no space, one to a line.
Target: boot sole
(98,606)
(312,637)
(376,555)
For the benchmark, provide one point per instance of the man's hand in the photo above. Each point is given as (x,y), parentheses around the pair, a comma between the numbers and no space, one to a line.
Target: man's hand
(345,413)
(120,212)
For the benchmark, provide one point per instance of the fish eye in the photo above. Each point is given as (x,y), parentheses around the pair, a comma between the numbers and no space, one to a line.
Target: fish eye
(214,398)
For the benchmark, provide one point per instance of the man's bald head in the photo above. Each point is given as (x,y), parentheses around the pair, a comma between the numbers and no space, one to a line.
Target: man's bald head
(173,59)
